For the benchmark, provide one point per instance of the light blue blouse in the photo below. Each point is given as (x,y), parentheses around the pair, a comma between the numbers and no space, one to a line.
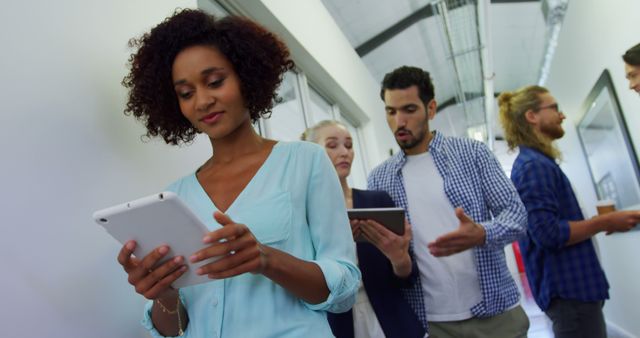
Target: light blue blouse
(293,203)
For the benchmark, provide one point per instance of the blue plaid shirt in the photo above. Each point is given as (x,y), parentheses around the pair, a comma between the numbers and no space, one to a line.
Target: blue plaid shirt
(554,270)
(474,180)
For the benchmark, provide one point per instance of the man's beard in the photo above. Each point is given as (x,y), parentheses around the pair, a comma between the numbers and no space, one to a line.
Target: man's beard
(555,132)
(408,144)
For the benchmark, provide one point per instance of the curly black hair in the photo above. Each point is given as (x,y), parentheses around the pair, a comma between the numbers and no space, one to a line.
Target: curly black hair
(407,76)
(258,56)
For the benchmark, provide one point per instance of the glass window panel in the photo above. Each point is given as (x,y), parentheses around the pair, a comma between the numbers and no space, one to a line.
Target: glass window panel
(287,121)
(258,127)
(319,107)
(358,177)
(213,7)
(478,132)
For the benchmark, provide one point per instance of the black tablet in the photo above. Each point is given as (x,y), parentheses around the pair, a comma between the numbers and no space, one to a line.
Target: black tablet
(390,218)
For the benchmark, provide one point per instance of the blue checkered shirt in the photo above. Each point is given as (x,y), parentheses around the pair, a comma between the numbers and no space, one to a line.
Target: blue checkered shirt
(474,180)
(554,270)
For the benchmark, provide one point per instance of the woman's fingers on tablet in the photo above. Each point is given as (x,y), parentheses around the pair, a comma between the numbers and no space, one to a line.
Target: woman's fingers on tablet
(215,250)
(165,283)
(150,260)
(379,228)
(241,239)
(166,268)
(355,224)
(125,256)
(240,253)
(158,278)
(407,231)
(228,232)
(242,261)
(222,218)
(145,266)
(223,241)
(391,245)
(147,280)
(370,233)
(355,230)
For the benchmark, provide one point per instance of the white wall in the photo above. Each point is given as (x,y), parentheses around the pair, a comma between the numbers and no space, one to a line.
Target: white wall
(594,35)
(320,48)
(67,151)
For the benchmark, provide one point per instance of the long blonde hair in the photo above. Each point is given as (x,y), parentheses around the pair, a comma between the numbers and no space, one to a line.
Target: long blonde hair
(517,131)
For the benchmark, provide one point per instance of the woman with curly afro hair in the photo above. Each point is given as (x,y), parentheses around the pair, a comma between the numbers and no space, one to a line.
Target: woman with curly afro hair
(277,219)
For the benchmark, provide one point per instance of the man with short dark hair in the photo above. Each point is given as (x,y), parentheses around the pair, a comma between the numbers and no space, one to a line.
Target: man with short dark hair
(632,67)
(463,210)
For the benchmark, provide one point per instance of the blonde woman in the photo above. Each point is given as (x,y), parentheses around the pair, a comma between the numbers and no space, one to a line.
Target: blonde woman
(380,310)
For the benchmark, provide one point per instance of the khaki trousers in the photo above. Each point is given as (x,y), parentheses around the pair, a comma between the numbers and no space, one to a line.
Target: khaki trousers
(510,324)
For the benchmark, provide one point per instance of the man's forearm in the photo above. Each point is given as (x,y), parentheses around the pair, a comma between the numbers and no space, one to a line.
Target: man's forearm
(585,229)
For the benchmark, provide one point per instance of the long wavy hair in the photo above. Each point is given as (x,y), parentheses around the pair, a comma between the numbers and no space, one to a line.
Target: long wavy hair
(518,132)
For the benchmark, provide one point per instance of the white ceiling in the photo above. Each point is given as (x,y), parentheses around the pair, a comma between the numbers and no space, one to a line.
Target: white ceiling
(517,32)
(362,19)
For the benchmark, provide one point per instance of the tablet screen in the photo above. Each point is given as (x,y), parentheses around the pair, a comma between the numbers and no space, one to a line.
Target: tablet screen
(390,218)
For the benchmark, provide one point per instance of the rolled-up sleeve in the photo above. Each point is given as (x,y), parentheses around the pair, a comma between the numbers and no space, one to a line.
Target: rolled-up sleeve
(537,188)
(331,236)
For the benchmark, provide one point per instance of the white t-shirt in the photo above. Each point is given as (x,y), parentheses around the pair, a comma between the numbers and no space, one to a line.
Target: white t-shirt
(365,321)
(450,284)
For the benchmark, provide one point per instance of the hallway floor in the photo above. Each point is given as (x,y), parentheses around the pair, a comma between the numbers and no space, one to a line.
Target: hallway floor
(539,323)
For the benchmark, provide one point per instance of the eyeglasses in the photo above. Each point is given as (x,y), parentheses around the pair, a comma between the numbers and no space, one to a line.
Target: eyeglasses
(552,106)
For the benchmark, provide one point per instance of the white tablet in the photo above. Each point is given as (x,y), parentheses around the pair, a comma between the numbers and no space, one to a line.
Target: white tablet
(156,220)
(390,218)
